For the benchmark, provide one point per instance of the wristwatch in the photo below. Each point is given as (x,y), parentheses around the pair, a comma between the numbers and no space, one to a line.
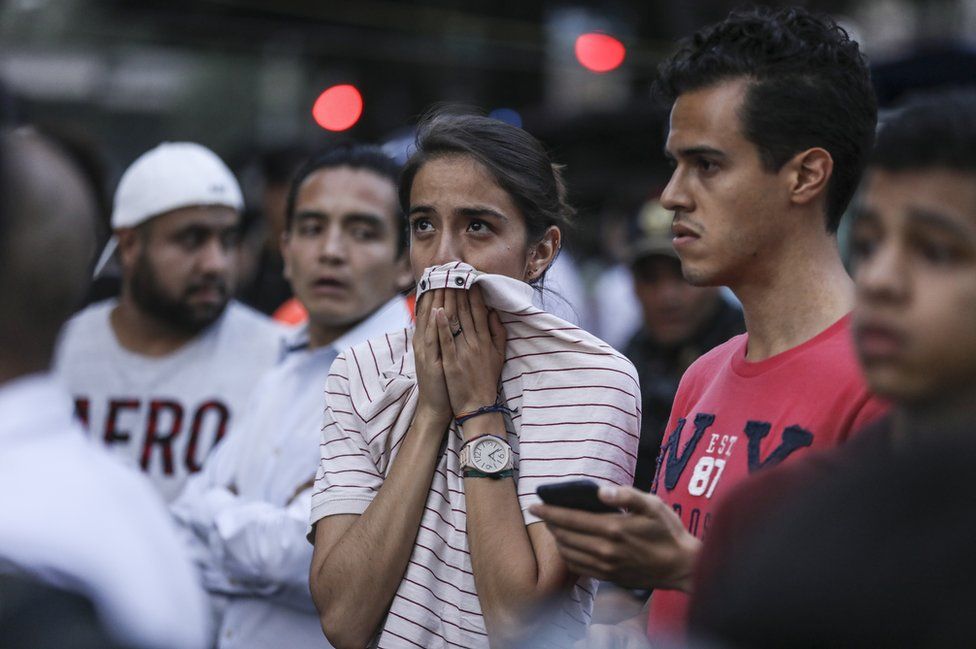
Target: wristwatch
(487,456)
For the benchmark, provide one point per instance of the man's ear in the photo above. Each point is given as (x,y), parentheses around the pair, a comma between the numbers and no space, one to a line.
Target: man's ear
(404,274)
(809,174)
(543,253)
(130,246)
(285,248)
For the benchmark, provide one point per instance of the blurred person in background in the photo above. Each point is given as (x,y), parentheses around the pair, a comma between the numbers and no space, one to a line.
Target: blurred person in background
(246,513)
(159,374)
(681,321)
(871,545)
(72,516)
(435,438)
(263,285)
(772,120)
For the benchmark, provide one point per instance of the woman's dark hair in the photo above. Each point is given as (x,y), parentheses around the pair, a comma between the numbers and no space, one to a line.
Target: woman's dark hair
(354,156)
(809,86)
(517,161)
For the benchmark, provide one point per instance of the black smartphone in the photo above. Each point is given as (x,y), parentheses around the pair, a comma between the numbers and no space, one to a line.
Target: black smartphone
(577,494)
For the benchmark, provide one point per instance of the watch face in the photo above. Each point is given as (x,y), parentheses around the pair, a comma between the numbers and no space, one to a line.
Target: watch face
(489,455)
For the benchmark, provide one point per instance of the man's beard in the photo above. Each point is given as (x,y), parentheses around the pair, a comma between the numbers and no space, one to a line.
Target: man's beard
(177,313)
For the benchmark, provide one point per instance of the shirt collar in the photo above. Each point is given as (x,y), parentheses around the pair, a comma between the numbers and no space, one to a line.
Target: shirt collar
(393,314)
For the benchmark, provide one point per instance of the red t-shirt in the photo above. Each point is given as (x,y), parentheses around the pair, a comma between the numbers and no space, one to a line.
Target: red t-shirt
(732,418)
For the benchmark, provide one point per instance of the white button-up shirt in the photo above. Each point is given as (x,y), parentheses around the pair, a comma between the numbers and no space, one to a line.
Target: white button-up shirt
(246,514)
(73,516)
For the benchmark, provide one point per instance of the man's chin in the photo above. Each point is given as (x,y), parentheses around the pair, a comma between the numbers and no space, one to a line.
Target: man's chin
(196,318)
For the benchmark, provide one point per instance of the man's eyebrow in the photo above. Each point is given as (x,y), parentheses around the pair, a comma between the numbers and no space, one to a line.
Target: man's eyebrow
(310,214)
(364,217)
(692,151)
(922,216)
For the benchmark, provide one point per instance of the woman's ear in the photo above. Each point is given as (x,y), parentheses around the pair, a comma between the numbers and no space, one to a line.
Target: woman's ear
(543,253)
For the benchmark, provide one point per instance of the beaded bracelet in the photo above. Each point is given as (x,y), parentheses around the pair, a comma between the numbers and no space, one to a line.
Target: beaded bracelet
(483,410)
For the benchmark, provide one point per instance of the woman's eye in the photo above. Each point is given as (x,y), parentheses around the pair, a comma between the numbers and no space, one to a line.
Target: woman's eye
(422,225)
(478,226)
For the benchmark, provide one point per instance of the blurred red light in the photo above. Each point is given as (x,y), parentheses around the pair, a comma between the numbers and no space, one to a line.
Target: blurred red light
(338,108)
(599,52)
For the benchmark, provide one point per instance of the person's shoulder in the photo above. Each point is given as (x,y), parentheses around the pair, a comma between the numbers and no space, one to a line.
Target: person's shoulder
(92,317)
(242,325)
(128,553)
(241,316)
(718,356)
(831,358)
(384,352)
(85,332)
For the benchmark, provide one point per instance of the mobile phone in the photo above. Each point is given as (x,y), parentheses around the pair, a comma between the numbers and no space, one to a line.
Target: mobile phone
(577,494)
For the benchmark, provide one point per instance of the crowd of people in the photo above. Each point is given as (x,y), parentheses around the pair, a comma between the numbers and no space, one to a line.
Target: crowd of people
(777,463)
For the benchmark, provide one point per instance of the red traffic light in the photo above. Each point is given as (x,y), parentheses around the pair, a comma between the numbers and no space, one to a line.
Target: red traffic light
(338,108)
(599,52)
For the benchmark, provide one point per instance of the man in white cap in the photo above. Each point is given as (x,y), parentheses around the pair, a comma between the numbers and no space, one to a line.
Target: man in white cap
(159,374)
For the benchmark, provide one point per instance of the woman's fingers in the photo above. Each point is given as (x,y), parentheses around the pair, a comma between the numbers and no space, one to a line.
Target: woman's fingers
(479,312)
(499,335)
(430,333)
(450,307)
(448,350)
(464,313)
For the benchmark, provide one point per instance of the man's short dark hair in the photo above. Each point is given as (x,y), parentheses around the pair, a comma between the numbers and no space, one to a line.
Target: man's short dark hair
(354,156)
(809,86)
(931,131)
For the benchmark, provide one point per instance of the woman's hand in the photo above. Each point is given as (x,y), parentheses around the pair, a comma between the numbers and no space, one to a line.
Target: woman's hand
(472,343)
(433,401)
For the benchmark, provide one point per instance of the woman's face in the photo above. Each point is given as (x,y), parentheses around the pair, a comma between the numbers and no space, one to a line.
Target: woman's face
(458,212)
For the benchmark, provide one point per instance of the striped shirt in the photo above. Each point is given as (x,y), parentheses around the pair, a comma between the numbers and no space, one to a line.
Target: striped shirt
(576,414)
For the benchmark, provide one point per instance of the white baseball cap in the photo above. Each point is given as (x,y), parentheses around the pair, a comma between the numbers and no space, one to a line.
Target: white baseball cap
(171,176)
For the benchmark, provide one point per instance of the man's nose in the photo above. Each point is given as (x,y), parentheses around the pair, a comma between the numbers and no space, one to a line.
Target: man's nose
(884,275)
(215,257)
(675,196)
(333,245)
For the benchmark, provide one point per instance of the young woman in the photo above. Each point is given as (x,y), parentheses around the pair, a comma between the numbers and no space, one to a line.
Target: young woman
(436,438)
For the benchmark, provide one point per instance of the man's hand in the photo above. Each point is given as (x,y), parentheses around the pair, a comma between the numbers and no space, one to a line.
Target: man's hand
(646,547)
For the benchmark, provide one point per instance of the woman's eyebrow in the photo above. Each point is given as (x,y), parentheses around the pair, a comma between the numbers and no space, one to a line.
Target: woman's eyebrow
(480,210)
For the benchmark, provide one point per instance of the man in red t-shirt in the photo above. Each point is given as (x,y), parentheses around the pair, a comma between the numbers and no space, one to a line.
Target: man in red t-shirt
(772,118)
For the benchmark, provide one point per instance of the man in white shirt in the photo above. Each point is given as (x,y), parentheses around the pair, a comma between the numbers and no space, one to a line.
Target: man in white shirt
(246,514)
(159,374)
(70,515)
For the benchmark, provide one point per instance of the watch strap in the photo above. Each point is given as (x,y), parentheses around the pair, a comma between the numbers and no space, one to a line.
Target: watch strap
(475,473)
